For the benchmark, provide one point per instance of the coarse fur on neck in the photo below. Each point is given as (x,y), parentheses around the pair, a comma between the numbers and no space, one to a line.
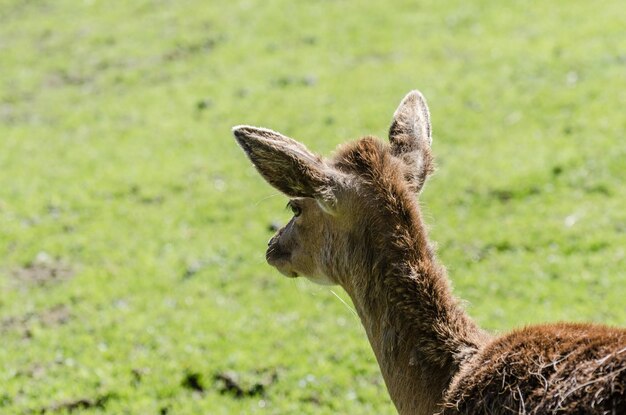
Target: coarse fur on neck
(419,332)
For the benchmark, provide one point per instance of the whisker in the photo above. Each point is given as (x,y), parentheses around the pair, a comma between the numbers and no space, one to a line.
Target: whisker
(267,197)
(346,304)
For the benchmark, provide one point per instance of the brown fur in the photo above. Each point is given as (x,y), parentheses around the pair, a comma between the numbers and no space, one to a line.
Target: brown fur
(556,368)
(357,224)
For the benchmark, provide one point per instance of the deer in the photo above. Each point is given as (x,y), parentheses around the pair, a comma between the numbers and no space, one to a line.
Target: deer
(357,223)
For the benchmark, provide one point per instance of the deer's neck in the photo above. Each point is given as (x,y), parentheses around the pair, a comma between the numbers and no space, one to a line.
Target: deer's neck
(419,332)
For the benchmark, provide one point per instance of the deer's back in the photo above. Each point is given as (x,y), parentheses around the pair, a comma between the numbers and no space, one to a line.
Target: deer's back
(557,368)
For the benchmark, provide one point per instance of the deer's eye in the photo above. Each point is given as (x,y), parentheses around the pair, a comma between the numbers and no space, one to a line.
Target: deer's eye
(297,210)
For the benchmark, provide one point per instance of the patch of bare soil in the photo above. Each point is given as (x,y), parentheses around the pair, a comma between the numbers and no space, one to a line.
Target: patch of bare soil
(244,385)
(78,404)
(44,270)
(238,385)
(34,371)
(53,316)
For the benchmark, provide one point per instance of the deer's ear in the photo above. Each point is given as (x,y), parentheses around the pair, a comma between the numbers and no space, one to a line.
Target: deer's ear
(285,163)
(410,136)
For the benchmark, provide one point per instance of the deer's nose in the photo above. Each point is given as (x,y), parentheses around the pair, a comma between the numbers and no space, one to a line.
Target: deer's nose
(276,236)
(272,240)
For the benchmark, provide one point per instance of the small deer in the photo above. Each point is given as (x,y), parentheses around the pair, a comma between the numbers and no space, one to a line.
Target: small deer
(357,223)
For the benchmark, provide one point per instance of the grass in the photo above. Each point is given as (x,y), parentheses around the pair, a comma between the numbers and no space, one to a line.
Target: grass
(132,277)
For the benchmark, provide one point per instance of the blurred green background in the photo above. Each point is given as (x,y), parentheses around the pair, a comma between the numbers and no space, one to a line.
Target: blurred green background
(133,229)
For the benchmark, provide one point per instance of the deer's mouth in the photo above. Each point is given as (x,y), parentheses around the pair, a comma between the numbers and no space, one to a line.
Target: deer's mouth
(280,260)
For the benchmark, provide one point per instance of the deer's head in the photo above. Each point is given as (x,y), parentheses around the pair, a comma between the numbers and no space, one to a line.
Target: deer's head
(340,203)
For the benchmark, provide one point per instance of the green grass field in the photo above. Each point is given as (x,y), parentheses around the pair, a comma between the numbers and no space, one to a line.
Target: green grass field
(133,229)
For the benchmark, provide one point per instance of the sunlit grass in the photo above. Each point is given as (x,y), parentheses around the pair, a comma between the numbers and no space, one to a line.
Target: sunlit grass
(117,164)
